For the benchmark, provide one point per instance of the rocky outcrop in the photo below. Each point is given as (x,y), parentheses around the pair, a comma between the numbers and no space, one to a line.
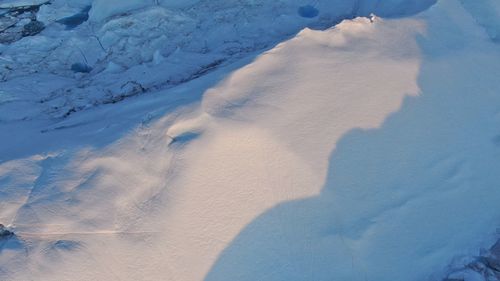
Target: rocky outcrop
(4,232)
(17,22)
(486,267)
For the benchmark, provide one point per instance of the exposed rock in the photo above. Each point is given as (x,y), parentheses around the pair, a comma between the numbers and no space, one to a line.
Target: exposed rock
(484,267)
(493,263)
(4,232)
(9,37)
(17,22)
(33,28)
(495,250)
(7,22)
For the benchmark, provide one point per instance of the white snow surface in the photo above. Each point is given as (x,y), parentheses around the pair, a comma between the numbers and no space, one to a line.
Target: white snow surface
(365,151)
(128,35)
(5,4)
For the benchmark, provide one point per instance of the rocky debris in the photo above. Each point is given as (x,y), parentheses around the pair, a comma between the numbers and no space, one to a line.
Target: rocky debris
(4,232)
(17,22)
(486,267)
(33,28)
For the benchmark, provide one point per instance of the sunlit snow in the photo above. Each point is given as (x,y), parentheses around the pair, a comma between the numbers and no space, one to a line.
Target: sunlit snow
(250,140)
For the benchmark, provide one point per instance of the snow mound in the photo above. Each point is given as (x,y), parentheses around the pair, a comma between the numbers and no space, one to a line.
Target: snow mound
(366,151)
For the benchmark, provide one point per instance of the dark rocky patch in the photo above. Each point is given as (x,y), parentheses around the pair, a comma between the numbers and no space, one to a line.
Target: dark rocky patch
(4,232)
(487,266)
(18,22)
(33,28)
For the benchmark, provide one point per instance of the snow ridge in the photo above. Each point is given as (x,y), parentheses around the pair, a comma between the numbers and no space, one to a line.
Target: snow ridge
(133,47)
(367,151)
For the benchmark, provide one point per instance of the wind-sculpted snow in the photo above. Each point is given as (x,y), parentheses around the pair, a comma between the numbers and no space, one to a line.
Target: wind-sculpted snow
(133,47)
(398,199)
(366,151)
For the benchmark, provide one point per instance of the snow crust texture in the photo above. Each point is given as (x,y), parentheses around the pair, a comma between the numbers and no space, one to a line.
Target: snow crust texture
(272,144)
(134,47)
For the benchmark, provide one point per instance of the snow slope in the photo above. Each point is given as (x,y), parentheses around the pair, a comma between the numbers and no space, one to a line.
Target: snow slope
(398,200)
(137,47)
(366,151)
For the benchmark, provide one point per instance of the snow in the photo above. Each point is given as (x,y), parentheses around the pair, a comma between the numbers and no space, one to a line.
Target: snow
(485,13)
(239,140)
(7,4)
(102,9)
(129,34)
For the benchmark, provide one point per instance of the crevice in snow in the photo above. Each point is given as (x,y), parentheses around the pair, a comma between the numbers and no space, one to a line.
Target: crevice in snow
(487,14)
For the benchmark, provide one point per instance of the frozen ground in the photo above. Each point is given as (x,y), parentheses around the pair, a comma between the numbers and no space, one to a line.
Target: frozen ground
(364,151)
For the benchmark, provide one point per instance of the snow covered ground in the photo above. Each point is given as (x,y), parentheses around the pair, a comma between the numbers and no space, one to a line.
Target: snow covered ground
(252,140)
(152,47)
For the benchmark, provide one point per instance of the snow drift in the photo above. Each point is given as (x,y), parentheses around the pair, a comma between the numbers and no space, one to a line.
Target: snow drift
(366,151)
